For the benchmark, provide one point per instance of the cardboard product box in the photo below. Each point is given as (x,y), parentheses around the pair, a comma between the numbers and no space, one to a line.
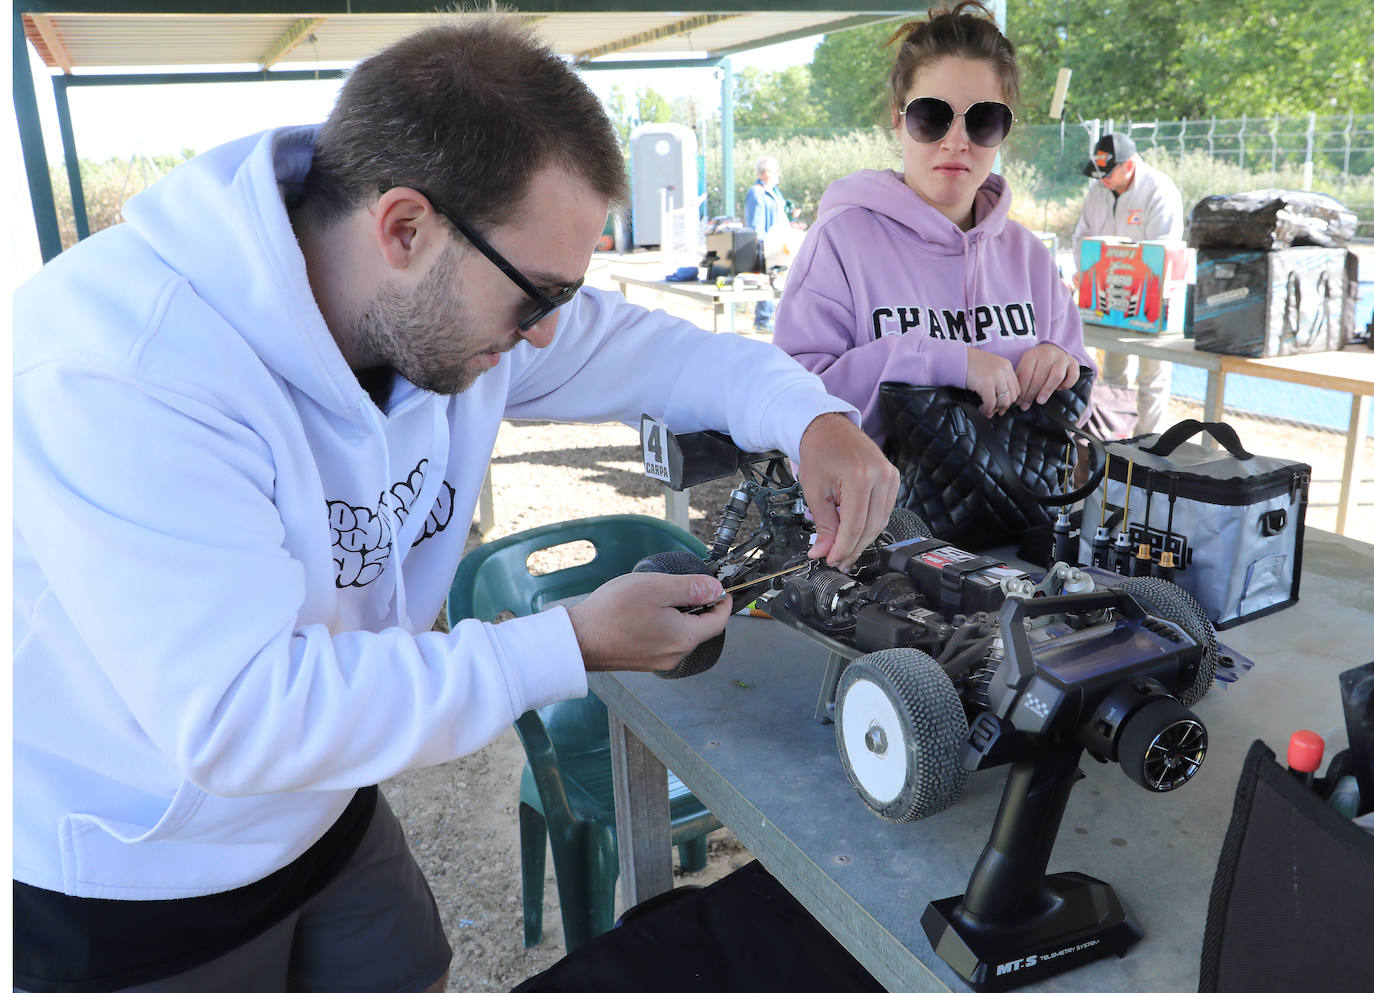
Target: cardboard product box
(1281,302)
(1141,285)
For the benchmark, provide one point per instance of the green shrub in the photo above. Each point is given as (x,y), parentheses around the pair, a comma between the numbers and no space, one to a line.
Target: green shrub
(1199,175)
(105,187)
(809,163)
(1041,169)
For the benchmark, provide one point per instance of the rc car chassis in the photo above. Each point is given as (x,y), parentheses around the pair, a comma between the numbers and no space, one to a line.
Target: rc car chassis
(943,662)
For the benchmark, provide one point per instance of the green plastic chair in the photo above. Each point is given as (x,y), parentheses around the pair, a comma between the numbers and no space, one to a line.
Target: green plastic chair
(565,789)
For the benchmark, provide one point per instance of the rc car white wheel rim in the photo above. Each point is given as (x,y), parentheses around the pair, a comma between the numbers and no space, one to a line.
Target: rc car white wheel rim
(867,717)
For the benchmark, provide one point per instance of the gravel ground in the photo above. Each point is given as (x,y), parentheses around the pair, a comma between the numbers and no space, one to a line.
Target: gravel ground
(461,817)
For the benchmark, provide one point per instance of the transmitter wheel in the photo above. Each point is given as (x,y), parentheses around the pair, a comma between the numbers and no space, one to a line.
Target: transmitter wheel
(1173,603)
(683,563)
(905,524)
(899,725)
(1162,745)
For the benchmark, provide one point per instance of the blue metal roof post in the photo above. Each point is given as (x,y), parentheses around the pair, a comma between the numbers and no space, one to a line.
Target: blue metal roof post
(61,84)
(64,125)
(999,14)
(31,143)
(727,138)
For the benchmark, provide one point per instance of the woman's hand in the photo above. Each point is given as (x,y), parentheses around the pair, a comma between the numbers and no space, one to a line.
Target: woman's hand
(1042,370)
(993,379)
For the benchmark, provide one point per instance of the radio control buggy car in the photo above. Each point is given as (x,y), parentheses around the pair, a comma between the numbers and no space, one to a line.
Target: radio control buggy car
(943,662)
(919,641)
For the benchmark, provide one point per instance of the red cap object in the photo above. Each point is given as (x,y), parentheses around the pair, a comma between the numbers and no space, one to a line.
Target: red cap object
(1305,751)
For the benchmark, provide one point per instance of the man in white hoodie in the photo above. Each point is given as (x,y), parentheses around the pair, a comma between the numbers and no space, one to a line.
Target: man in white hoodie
(250,427)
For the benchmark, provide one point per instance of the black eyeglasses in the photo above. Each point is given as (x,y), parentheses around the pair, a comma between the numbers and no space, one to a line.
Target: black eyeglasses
(544,305)
(987,123)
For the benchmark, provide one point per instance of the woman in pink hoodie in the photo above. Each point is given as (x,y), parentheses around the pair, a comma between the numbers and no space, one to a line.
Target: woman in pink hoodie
(918,276)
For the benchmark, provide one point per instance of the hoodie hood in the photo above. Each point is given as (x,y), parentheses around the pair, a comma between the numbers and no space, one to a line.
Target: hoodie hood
(883,192)
(239,190)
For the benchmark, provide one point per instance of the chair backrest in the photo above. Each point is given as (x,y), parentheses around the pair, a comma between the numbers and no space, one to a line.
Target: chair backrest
(496,577)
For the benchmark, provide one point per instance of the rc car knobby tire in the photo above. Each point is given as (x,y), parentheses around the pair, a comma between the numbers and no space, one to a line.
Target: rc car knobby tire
(684,563)
(1174,603)
(899,725)
(905,524)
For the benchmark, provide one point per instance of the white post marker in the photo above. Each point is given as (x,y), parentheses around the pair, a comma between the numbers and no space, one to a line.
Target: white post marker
(657,442)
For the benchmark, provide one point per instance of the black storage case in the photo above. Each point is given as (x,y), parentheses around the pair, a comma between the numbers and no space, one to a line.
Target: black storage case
(737,249)
(1282,302)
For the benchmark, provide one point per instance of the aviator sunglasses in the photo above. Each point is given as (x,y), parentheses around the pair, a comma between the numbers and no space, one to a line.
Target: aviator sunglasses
(987,123)
(544,303)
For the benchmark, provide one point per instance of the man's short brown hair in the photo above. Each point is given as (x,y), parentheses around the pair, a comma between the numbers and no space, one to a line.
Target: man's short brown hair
(467,113)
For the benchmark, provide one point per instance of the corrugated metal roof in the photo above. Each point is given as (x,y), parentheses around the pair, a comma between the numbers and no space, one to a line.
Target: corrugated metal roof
(93,42)
(125,39)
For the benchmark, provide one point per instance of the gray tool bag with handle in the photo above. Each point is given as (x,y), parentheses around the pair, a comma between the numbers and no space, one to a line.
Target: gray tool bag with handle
(1229,523)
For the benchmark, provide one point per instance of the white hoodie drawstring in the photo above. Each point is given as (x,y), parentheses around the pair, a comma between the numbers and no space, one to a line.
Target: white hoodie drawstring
(393,525)
(425,499)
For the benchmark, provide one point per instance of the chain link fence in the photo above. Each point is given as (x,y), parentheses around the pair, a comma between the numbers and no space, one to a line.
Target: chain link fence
(1331,154)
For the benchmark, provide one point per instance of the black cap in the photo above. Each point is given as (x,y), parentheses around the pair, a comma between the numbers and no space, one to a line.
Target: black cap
(1110,151)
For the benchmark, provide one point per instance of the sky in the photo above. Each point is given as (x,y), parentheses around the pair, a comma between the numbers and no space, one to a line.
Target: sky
(109,121)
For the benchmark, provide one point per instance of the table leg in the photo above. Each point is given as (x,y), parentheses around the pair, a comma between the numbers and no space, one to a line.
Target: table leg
(643,831)
(486,507)
(675,504)
(1213,403)
(717,311)
(1354,459)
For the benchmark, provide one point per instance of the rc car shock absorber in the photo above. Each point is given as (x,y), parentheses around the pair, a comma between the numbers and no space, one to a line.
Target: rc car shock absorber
(730,520)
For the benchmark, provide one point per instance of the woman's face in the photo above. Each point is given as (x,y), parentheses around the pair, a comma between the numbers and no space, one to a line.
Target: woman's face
(947,173)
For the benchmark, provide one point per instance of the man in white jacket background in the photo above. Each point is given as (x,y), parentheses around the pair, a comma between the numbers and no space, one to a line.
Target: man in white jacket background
(250,428)
(1130,199)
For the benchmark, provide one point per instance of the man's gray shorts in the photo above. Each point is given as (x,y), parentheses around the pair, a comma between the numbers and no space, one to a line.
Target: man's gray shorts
(373,929)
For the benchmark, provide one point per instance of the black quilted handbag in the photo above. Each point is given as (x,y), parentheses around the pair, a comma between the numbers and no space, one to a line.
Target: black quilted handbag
(980,482)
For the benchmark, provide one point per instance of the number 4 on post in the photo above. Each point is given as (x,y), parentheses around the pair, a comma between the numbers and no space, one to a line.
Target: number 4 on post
(660,447)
